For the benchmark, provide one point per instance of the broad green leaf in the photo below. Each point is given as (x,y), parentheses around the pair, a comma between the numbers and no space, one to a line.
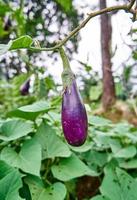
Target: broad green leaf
(115,145)
(24,115)
(13,129)
(4,169)
(28,159)
(98,158)
(132,137)
(117,185)
(5,47)
(101,139)
(100,197)
(39,106)
(51,144)
(9,185)
(69,168)
(122,128)
(21,42)
(57,191)
(99,121)
(127,152)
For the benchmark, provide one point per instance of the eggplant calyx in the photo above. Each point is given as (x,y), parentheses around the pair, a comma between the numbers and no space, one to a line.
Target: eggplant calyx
(67,78)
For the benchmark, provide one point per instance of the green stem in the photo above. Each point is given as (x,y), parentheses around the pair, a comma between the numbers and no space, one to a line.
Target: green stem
(21,4)
(65,60)
(67,74)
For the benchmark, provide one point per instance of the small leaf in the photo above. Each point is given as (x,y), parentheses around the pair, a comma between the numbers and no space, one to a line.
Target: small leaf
(28,159)
(51,144)
(14,129)
(21,42)
(69,168)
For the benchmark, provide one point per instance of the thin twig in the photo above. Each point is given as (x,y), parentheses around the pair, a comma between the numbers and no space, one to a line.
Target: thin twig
(126,7)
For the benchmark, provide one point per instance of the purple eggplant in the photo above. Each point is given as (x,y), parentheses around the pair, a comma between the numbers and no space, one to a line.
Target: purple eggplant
(74,117)
(73,114)
(24,89)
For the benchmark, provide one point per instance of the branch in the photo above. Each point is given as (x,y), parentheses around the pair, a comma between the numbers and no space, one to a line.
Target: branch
(125,7)
(131,4)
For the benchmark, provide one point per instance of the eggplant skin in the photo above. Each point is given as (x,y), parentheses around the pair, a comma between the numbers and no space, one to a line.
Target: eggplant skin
(74,116)
(24,89)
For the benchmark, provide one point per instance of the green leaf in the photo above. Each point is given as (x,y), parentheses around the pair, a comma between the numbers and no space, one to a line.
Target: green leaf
(87,146)
(65,4)
(69,168)
(24,115)
(39,106)
(115,145)
(4,7)
(98,158)
(99,197)
(127,152)
(122,128)
(57,191)
(95,92)
(13,129)
(5,47)
(21,42)
(51,144)
(131,164)
(4,169)
(28,159)
(99,121)
(101,139)
(10,182)
(117,185)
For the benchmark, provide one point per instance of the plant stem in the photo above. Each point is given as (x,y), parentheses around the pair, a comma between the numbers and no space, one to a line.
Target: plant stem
(65,60)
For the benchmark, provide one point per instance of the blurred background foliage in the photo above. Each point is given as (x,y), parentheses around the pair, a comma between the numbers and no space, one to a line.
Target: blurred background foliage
(49,21)
(111,149)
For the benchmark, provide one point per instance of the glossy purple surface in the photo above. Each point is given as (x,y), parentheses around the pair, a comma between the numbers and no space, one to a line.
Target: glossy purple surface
(74,117)
(24,89)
